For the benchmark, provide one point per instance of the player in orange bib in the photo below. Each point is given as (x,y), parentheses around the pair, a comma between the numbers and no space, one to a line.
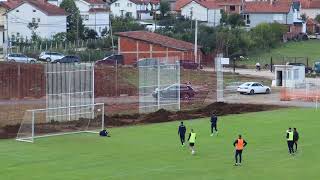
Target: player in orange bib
(239,144)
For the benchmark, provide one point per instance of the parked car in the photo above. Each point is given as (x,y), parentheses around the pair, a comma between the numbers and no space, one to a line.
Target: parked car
(50,56)
(147,62)
(68,59)
(186,64)
(317,67)
(253,88)
(16,57)
(307,69)
(186,92)
(111,60)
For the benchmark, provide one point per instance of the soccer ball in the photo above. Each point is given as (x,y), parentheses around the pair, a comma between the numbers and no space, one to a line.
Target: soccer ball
(193,152)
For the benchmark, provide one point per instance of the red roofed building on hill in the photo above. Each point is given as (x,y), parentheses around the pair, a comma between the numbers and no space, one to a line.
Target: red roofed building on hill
(206,11)
(229,6)
(137,9)
(268,12)
(50,19)
(134,45)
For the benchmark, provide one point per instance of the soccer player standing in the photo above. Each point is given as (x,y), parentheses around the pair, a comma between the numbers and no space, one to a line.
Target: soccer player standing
(289,137)
(295,138)
(192,140)
(239,144)
(182,132)
(213,121)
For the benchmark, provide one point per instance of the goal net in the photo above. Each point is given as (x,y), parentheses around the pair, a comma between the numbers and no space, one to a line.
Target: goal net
(47,122)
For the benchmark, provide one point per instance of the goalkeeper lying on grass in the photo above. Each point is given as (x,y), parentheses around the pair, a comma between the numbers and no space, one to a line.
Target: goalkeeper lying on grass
(104,133)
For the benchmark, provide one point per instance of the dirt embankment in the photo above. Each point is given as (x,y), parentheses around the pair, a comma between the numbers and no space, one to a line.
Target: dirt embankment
(162,115)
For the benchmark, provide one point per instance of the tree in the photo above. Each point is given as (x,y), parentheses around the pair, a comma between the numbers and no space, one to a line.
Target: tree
(33,26)
(303,17)
(75,28)
(233,20)
(90,34)
(164,8)
(122,24)
(317,18)
(60,37)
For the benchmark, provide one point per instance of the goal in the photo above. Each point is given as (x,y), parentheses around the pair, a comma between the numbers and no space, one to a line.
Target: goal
(38,123)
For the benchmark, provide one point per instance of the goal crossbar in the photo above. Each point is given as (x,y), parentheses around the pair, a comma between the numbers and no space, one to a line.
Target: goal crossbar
(32,124)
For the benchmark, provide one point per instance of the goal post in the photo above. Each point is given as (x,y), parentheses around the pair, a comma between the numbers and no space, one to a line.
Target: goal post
(48,122)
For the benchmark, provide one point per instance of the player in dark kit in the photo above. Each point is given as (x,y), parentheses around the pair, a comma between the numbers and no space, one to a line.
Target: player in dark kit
(295,138)
(213,121)
(182,132)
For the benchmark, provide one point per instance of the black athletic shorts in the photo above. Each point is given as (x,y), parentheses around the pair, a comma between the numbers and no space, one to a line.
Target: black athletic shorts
(191,144)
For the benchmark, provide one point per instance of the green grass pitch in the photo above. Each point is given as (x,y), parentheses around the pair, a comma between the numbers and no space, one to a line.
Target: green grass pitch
(154,152)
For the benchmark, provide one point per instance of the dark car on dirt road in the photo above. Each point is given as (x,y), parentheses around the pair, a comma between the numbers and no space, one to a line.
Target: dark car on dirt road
(187,64)
(186,92)
(113,60)
(68,59)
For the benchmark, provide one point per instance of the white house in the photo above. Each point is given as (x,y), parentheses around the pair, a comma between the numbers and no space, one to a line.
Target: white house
(137,9)
(95,14)
(207,11)
(258,12)
(50,19)
(310,7)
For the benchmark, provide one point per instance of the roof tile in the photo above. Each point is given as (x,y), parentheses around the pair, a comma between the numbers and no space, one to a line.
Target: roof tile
(267,7)
(157,39)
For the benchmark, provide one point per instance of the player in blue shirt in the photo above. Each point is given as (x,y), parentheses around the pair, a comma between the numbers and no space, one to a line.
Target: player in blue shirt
(182,132)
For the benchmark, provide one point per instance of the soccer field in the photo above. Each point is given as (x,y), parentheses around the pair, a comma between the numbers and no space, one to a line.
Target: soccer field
(154,152)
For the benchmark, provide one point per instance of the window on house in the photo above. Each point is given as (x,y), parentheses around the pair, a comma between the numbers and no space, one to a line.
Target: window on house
(232,8)
(129,4)
(117,4)
(38,20)
(33,20)
(18,34)
(86,17)
(34,10)
(17,10)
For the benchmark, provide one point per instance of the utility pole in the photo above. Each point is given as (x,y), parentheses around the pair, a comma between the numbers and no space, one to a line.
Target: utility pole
(191,14)
(7,33)
(111,34)
(196,43)
(77,31)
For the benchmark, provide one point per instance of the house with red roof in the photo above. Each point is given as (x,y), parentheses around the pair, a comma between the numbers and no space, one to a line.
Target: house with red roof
(310,7)
(206,11)
(95,14)
(257,12)
(20,13)
(228,6)
(137,9)
(135,45)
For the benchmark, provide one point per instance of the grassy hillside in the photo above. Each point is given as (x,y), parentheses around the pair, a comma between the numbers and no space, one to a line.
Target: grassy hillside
(153,152)
(290,51)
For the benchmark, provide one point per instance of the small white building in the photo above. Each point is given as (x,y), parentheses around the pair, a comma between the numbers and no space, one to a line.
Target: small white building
(95,14)
(50,19)
(206,11)
(288,75)
(137,9)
